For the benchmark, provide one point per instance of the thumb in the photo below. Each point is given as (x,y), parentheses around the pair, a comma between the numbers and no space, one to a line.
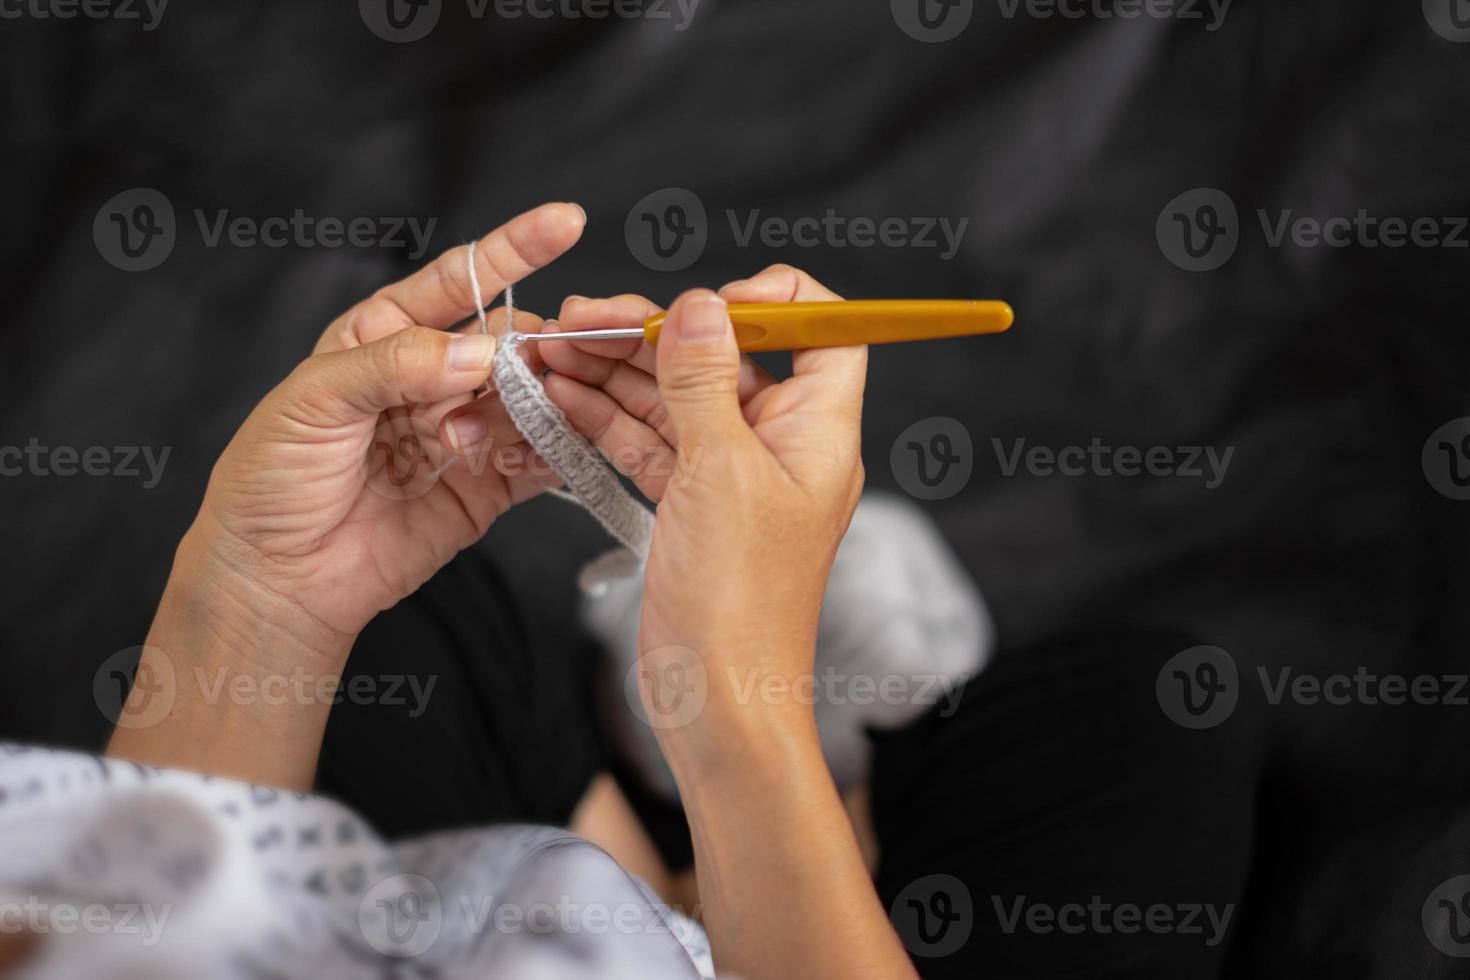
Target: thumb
(699,368)
(415,365)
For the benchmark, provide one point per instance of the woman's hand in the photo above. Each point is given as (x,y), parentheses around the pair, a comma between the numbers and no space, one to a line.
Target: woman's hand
(755,482)
(363,472)
(749,520)
(349,485)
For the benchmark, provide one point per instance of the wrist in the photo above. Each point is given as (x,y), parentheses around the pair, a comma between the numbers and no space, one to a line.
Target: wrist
(234,680)
(731,716)
(211,589)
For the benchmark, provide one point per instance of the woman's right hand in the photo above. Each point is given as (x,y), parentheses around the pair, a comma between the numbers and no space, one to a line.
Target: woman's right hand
(764,480)
(749,520)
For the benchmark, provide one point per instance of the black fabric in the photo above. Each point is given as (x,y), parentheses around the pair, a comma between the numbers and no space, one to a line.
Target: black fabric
(1057,782)
(1060,139)
(506,733)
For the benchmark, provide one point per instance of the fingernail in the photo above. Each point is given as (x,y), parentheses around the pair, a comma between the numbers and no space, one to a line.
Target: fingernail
(466,432)
(576,299)
(706,321)
(471,352)
(580,208)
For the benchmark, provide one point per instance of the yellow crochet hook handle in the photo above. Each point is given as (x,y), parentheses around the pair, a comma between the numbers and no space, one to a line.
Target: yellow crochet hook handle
(800,326)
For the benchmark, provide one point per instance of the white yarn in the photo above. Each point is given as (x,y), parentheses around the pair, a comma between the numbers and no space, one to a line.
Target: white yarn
(590,482)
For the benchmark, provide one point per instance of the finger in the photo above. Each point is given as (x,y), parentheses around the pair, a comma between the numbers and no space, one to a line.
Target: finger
(488,482)
(465,421)
(699,371)
(633,447)
(630,389)
(596,362)
(440,294)
(411,366)
(477,489)
(581,313)
(473,427)
(787,284)
(524,322)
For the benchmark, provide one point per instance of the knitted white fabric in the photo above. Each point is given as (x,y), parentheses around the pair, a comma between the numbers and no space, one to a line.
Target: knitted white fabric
(588,478)
(590,482)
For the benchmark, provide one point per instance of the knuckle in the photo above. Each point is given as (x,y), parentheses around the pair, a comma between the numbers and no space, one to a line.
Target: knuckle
(694,295)
(413,351)
(657,417)
(447,269)
(694,377)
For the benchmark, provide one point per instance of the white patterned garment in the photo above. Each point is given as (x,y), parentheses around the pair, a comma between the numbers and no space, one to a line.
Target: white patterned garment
(126,871)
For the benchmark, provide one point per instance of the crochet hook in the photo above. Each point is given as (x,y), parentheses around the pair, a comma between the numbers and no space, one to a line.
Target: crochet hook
(799,326)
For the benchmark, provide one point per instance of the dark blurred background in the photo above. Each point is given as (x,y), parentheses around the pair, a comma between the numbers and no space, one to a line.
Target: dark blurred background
(1066,146)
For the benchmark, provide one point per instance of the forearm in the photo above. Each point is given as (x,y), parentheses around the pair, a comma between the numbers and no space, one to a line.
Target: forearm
(775,852)
(232,682)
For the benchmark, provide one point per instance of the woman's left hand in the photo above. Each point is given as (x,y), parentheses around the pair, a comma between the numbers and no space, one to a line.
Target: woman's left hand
(349,485)
(365,471)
